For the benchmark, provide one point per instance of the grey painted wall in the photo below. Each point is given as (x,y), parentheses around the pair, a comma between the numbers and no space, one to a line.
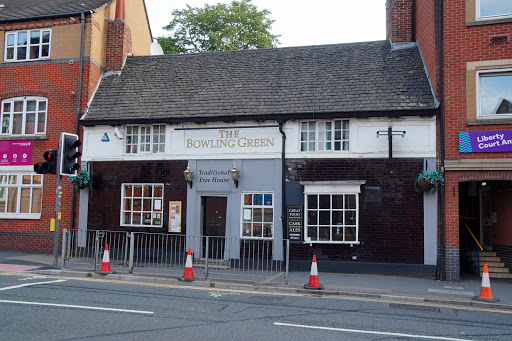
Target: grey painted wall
(430,221)
(212,178)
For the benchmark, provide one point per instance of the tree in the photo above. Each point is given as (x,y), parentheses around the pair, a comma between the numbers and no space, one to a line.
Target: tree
(221,27)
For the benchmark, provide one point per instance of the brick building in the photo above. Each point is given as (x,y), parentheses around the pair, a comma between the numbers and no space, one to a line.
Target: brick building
(337,133)
(474,126)
(52,57)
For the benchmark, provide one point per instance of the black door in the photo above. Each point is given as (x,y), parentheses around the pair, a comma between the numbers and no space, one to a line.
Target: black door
(214,225)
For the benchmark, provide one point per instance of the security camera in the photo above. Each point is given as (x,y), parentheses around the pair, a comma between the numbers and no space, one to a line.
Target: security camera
(118,133)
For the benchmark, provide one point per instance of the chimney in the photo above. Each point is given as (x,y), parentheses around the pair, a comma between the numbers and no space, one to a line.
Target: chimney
(120,9)
(399,21)
(119,39)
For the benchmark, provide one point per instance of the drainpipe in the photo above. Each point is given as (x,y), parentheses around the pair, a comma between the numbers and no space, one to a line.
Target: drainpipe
(442,142)
(79,98)
(283,194)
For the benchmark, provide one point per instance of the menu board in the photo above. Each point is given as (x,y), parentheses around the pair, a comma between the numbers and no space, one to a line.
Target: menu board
(294,223)
(175,216)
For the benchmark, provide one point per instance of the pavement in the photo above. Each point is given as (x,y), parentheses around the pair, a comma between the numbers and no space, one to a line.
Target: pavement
(379,287)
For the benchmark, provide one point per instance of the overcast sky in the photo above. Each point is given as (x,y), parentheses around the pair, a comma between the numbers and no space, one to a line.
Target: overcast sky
(299,23)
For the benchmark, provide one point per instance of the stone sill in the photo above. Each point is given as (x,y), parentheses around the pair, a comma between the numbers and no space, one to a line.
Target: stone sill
(489,122)
(23,137)
(488,22)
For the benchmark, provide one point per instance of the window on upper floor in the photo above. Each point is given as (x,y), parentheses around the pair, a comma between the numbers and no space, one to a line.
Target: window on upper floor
(27,45)
(20,195)
(488,9)
(145,139)
(494,93)
(24,116)
(324,135)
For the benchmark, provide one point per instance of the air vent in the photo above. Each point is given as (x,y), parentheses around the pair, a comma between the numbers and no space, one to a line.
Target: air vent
(499,38)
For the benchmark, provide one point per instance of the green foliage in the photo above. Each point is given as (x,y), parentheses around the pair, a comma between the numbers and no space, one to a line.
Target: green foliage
(428,181)
(81,180)
(221,27)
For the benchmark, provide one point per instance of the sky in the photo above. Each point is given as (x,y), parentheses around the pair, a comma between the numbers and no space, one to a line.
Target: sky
(299,23)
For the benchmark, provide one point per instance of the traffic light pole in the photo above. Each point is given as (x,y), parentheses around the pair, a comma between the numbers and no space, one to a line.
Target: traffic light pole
(58,196)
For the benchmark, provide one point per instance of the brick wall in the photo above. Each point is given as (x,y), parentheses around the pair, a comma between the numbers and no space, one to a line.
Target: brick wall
(119,44)
(105,200)
(427,36)
(390,232)
(505,253)
(399,21)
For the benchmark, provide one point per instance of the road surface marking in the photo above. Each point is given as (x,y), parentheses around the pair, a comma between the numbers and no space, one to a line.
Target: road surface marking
(290,294)
(370,332)
(279,274)
(78,307)
(30,278)
(30,284)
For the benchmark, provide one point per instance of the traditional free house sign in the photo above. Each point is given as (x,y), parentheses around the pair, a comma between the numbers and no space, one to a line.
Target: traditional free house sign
(485,141)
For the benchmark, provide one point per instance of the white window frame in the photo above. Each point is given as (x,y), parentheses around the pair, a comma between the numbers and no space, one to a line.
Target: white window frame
(37,113)
(489,17)
(28,44)
(19,186)
(153,211)
(332,188)
(320,143)
(479,75)
(244,213)
(152,142)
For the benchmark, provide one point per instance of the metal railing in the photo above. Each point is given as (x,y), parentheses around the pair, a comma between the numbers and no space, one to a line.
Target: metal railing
(211,255)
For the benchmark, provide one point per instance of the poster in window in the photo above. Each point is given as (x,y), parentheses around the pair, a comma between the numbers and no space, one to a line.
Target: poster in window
(175,216)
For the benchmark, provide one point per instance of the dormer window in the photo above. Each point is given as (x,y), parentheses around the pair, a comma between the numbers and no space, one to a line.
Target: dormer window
(27,45)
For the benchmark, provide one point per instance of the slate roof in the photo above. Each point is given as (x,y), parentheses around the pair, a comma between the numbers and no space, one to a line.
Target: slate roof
(28,9)
(358,79)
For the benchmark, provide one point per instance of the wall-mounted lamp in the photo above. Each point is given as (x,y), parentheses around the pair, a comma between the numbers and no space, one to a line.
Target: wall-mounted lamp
(189,174)
(235,173)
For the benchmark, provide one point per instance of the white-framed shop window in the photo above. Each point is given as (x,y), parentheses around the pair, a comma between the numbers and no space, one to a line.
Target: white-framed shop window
(257,215)
(323,136)
(20,195)
(145,139)
(24,116)
(493,9)
(27,45)
(494,93)
(142,205)
(332,212)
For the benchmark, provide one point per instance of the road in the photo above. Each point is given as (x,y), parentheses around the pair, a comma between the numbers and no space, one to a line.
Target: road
(36,307)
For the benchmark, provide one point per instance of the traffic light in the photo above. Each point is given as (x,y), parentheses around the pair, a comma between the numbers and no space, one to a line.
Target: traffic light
(50,164)
(69,154)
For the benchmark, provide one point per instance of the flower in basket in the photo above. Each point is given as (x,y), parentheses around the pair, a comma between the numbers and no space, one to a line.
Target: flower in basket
(428,181)
(81,180)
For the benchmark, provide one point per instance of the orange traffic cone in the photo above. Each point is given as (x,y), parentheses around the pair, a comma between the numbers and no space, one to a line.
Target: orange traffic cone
(485,292)
(313,278)
(105,264)
(188,275)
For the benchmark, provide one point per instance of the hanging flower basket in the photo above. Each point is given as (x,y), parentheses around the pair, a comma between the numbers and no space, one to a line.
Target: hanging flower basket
(81,180)
(428,181)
